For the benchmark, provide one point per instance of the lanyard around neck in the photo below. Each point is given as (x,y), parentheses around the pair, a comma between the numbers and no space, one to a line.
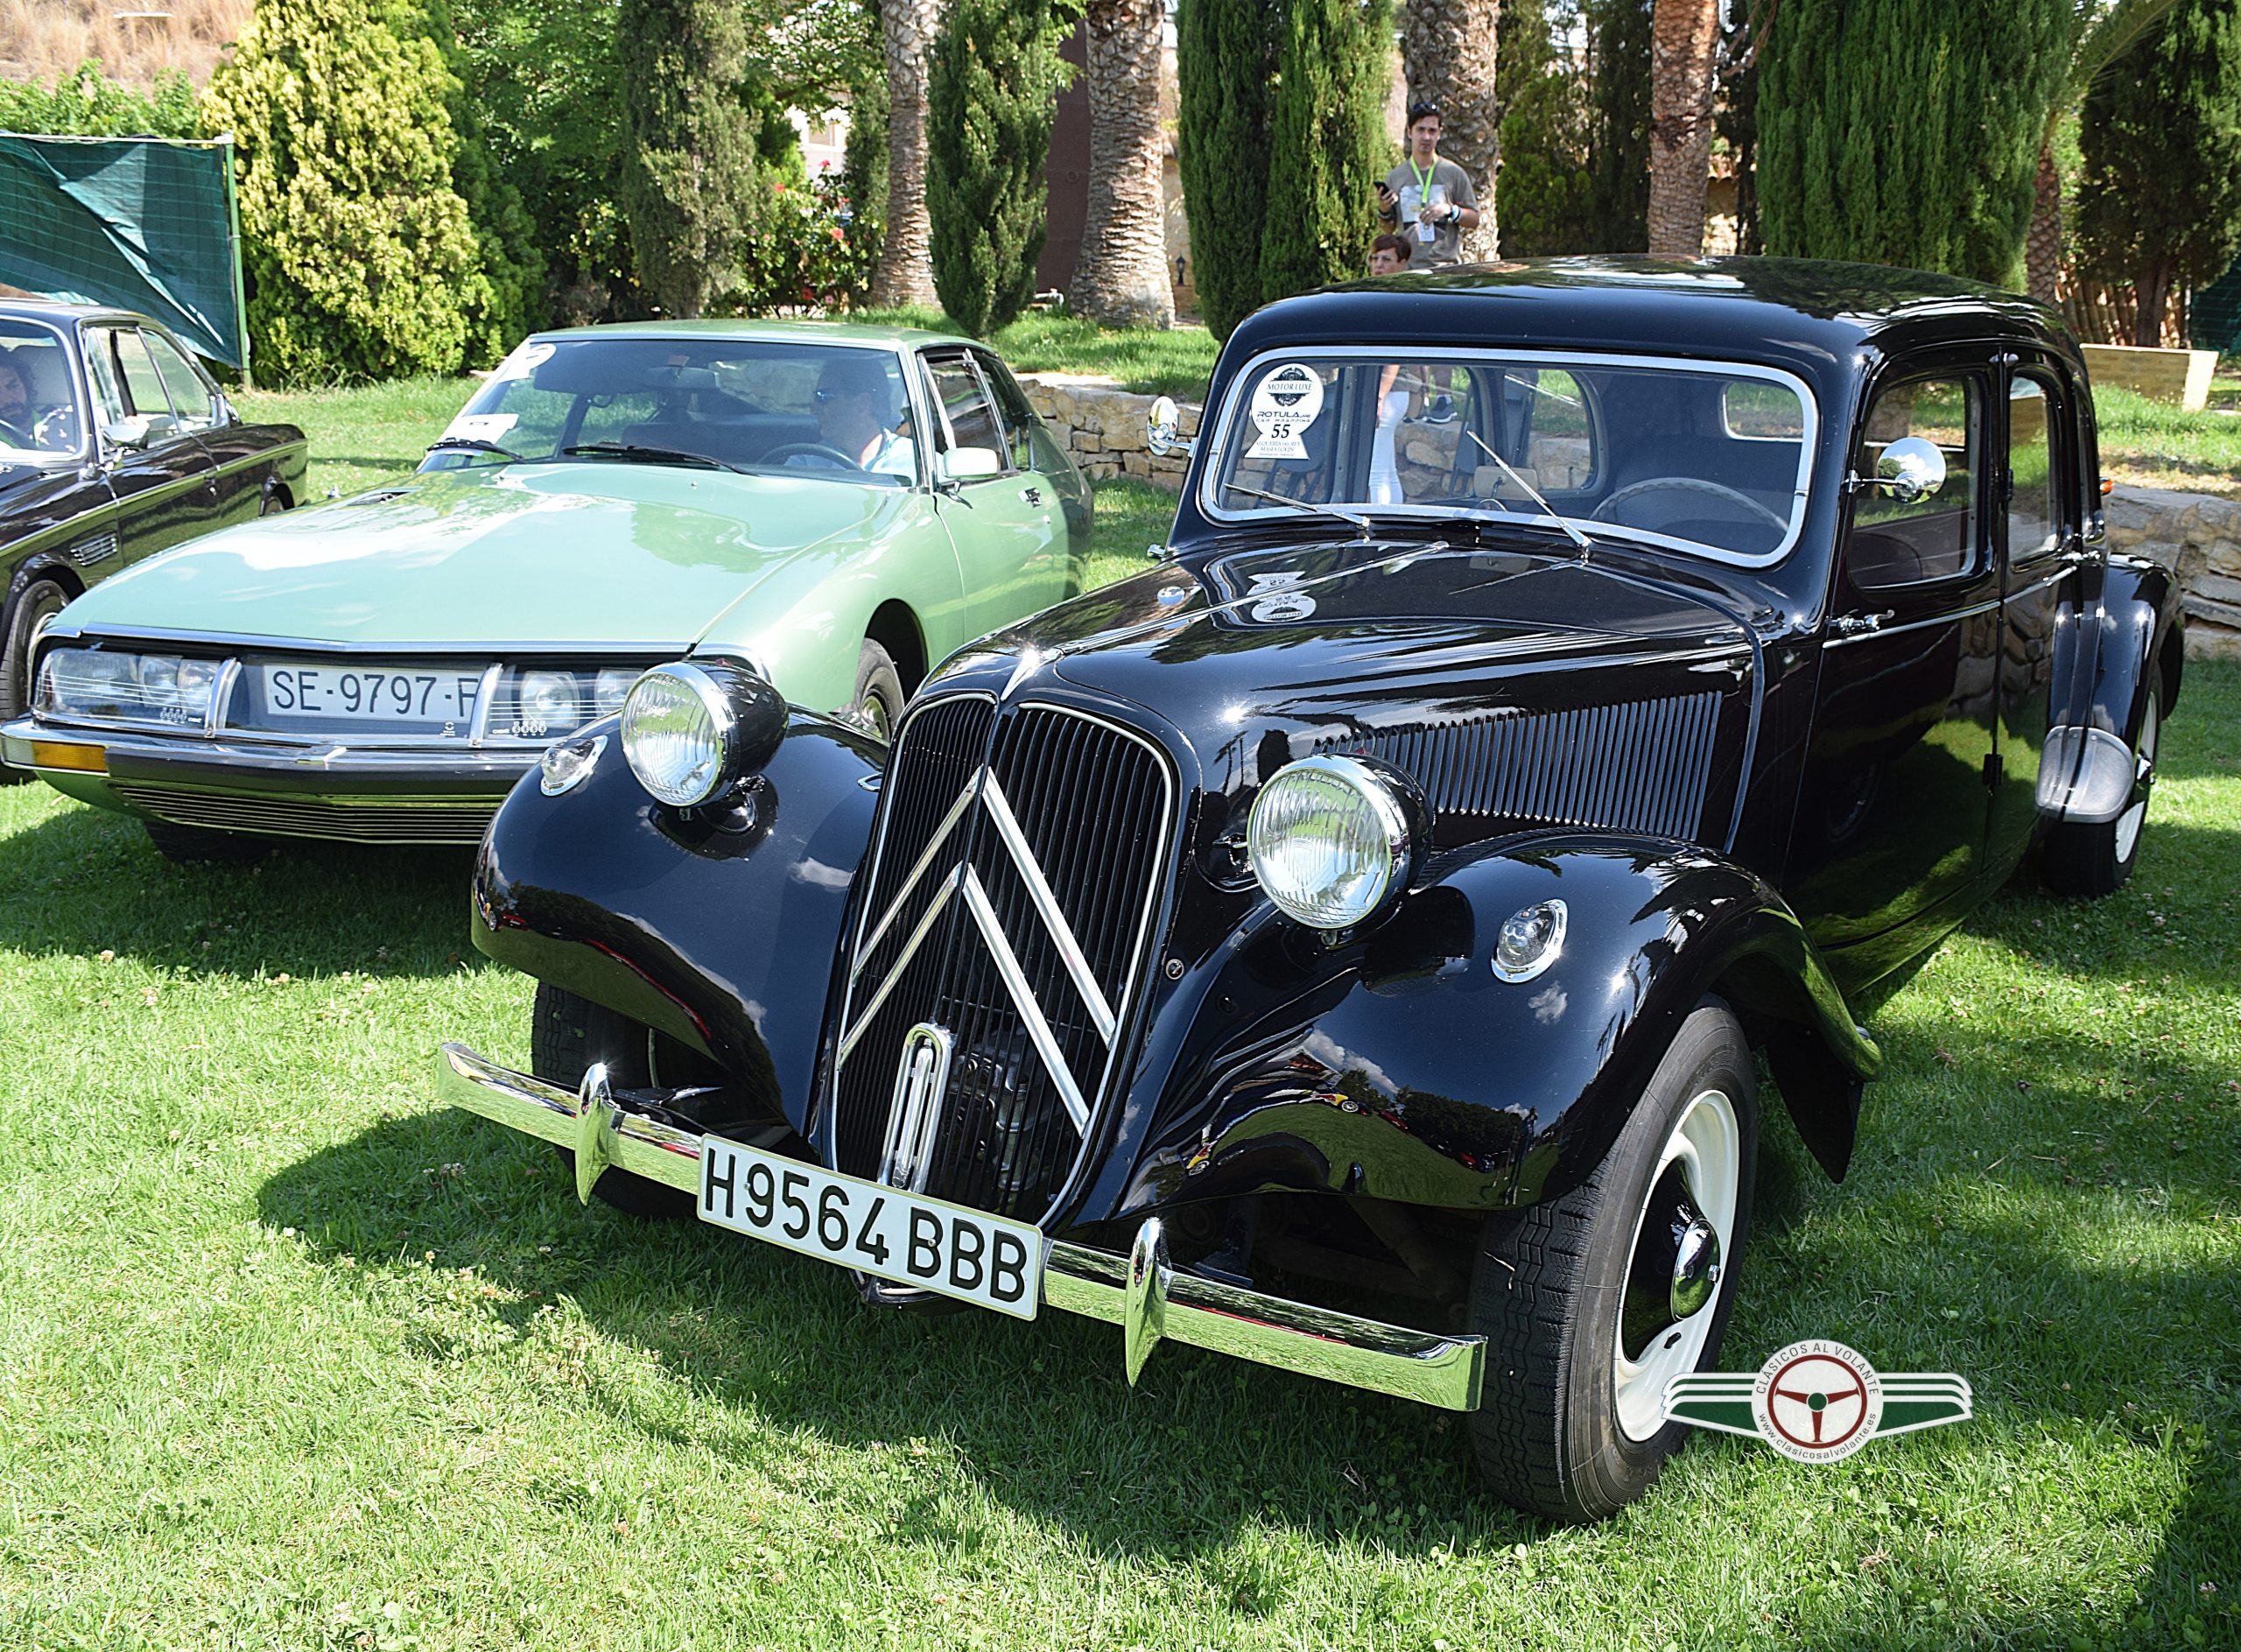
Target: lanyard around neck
(1424,175)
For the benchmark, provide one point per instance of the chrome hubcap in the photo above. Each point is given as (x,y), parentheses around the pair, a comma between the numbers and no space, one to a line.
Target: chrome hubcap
(1696,1269)
(1683,1234)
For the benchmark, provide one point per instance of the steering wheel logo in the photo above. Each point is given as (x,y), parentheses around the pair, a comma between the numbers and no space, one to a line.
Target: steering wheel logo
(1817,1401)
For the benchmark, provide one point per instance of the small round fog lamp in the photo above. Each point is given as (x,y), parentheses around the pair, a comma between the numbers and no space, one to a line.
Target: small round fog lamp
(1530,940)
(566,761)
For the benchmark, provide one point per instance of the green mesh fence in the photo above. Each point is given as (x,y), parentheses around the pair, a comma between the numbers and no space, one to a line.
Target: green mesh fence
(144,223)
(2214,314)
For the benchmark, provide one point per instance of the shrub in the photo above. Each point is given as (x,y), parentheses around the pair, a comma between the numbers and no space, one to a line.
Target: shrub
(688,169)
(991,80)
(1226,57)
(87,104)
(1326,142)
(360,259)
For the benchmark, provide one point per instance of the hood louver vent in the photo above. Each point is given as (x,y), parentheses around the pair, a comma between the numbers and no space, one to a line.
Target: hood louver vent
(1641,767)
(94,548)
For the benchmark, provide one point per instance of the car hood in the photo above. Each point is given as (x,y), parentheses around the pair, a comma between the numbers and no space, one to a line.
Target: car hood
(632,555)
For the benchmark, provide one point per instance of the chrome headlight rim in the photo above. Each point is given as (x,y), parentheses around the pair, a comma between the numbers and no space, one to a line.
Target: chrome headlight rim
(1395,811)
(702,685)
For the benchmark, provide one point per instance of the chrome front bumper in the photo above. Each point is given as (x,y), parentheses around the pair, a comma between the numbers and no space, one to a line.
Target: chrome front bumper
(1140,1292)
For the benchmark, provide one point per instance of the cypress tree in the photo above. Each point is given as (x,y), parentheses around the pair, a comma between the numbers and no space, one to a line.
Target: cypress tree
(1546,176)
(863,163)
(1907,131)
(2160,201)
(992,80)
(1326,142)
(688,147)
(1225,57)
(360,258)
(1618,196)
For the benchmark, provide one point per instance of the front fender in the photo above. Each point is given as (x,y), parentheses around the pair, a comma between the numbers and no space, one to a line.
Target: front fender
(1400,1067)
(2136,641)
(724,940)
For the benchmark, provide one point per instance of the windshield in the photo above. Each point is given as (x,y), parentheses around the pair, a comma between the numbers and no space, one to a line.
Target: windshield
(798,409)
(1707,458)
(40,418)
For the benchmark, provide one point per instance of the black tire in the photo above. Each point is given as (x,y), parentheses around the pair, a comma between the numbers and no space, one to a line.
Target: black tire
(878,702)
(1550,1286)
(2095,858)
(200,846)
(567,1034)
(40,600)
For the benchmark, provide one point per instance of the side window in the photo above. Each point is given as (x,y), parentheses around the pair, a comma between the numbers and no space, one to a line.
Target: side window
(1560,453)
(193,400)
(108,393)
(2034,504)
(144,387)
(1910,542)
(964,403)
(1020,421)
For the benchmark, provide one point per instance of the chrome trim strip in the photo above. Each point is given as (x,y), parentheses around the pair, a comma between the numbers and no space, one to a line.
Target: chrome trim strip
(265,643)
(221,691)
(1046,905)
(902,961)
(894,907)
(486,696)
(1432,1369)
(1953,618)
(1038,1027)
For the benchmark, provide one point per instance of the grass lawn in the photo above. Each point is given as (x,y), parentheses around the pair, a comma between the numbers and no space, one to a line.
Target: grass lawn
(2157,446)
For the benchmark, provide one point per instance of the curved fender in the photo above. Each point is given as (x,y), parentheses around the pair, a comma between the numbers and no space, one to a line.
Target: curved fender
(2137,639)
(715,936)
(1400,1067)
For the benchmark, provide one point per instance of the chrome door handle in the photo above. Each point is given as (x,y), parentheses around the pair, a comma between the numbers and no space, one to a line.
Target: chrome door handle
(1858,625)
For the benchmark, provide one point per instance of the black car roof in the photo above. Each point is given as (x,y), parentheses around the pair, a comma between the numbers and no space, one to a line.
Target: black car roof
(1810,316)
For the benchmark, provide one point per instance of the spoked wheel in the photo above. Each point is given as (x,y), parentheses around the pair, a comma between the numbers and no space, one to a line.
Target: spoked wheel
(2095,858)
(1592,1302)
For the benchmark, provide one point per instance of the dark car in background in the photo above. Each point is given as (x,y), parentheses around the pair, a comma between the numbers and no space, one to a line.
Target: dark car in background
(115,443)
(1348,944)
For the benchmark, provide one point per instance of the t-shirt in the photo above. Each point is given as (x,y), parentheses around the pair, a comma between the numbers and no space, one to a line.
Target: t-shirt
(893,455)
(1450,184)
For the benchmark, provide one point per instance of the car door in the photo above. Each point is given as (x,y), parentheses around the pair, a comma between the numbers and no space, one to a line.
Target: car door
(162,483)
(1009,534)
(1893,811)
(2044,559)
(236,472)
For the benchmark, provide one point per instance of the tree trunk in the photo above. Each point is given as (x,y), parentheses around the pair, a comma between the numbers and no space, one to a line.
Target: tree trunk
(2042,248)
(1121,279)
(1447,52)
(1684,36)
(2151,293)
(905,274)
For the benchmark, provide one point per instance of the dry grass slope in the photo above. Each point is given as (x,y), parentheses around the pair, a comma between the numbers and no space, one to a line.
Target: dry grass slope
(135,40)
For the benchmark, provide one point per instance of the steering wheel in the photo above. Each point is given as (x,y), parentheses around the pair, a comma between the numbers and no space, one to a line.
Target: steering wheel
(1752,508)
(13,435)
(787,450)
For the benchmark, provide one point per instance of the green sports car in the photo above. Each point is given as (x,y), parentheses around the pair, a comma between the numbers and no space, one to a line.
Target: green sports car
(838,508)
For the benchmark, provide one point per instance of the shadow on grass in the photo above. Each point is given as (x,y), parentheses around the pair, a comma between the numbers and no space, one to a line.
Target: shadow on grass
(83,880)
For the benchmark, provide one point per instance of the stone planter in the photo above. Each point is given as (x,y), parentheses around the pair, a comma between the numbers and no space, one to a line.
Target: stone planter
(2163,376)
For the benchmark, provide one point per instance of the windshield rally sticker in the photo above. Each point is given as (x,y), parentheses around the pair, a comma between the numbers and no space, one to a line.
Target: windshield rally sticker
(1284,403)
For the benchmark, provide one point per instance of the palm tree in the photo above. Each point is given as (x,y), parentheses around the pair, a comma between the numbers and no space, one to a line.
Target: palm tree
(905,273)
(1684,36)
(1447,52)
(1121,279)
(2099,33)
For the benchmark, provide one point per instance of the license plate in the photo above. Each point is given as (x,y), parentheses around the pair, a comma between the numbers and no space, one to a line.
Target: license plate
(886,1232)
(382,695)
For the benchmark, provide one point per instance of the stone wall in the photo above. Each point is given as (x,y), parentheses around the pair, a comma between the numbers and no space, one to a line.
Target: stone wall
(2198,536)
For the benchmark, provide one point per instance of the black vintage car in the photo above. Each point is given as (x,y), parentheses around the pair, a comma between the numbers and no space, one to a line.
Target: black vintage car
(1346,944)
(114,443)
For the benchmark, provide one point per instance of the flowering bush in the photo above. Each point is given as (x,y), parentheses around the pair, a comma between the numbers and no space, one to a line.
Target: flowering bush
(809,250)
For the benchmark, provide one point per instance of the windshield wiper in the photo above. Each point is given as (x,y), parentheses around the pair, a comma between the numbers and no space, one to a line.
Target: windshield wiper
(1571,531)
(656,455)
(1360,525)
(473,444)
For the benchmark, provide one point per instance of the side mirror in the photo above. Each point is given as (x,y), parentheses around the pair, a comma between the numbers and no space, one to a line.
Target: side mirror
(1912,468)
(971,464)
(139,429)
(1163,429)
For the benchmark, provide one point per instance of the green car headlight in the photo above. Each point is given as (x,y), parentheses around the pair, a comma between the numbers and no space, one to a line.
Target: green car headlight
(155,688)
(1330,840)
(549,701)
(609,689)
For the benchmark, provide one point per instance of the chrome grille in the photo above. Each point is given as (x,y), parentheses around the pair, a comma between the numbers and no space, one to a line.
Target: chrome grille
(1638,767)
(1021,856)
(388,821)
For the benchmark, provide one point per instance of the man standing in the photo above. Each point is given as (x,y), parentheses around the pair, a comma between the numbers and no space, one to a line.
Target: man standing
(1430,199)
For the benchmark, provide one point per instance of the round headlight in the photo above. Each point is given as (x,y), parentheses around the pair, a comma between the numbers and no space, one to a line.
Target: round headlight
(1329,840)
(549,701)
(676,734)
